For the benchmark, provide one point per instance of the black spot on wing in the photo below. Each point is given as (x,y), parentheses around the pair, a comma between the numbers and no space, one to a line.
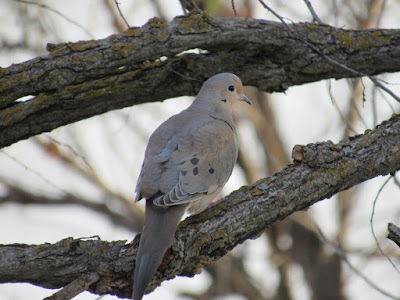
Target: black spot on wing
(194,161)
(181,163)
(211,170)
(183,173)
(195,171)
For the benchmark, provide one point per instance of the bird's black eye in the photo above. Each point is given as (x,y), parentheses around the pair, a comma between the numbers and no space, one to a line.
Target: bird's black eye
(231,88)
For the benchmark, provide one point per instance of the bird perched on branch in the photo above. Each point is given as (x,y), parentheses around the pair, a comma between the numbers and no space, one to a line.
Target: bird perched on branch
(188,160)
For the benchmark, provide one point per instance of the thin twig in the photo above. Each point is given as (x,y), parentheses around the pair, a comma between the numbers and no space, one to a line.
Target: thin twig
(124,218)
(73,158)
(79,163)
(345,259)
(184,76)
(384,97)
(372,225)
(380,85)
(76,287)
(233,7)
(121,14)
(58,13)
(354,89)
(276,15)
(36,173)
(387,82)
(374,107)
(313,13)
(117,21)
(338,108)
(356,73)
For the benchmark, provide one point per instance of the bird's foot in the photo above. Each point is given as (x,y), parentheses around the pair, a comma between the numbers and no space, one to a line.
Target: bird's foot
(212,204)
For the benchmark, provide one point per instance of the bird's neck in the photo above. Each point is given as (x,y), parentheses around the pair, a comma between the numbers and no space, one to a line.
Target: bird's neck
(226,116)
(213,109)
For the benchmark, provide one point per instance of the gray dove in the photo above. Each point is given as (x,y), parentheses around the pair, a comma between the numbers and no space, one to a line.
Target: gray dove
(188,160)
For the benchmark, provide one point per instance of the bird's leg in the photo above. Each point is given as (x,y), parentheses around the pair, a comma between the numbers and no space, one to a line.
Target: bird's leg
(166,260)
(212,204)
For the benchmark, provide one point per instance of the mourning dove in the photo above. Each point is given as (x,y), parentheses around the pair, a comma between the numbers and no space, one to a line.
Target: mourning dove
(188,160)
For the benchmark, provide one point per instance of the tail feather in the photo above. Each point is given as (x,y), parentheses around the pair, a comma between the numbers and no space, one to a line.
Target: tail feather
(158,234)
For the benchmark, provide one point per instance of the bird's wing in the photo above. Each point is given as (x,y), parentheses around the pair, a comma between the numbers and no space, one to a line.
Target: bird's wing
(185,164)
(200,164)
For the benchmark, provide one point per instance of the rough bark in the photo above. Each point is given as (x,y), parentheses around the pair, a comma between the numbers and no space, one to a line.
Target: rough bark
(79,80)
(321,170)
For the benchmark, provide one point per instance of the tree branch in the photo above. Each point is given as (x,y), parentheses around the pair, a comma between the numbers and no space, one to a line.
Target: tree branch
(79,80)
(394,233)
(75,287)
(322,170)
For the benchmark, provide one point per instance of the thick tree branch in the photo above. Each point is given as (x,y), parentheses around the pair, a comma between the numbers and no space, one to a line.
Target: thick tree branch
(324,170)
(83,79)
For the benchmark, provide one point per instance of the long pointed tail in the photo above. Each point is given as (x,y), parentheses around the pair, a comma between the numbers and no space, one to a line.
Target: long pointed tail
(158,233)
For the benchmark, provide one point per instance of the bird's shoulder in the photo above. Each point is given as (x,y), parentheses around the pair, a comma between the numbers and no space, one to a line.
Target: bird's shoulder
(187,125)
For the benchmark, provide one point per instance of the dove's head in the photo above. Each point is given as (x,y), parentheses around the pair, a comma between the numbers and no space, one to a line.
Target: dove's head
(220,92)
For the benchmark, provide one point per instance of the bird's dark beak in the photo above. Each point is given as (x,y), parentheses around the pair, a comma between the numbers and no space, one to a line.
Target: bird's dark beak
(245,99)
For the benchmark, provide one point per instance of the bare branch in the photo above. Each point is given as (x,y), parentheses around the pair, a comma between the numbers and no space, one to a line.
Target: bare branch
(380,85)
(312,11)
(75,287)
(333,61)
(342,117)
(127,210)
(125,217)
(233,7)
(121,14)
(346,260)
(118,23)
(372,225)
(58,13)
(276,15)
